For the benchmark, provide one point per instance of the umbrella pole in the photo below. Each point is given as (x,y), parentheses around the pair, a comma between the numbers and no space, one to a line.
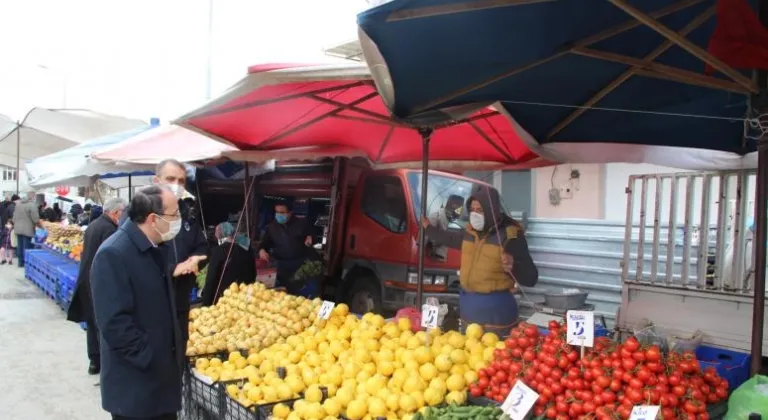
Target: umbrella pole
(246,207)
(760,103)
(426,133)
(18,156)
(130,188)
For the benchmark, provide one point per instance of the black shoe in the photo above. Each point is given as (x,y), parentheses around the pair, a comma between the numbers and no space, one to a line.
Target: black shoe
(94,368)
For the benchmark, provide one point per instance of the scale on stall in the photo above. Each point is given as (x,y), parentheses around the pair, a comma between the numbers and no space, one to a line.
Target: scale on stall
(556,303)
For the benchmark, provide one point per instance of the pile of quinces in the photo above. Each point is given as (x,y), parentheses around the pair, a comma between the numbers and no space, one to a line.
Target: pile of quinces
(368,367)
(63,238)
(247,318)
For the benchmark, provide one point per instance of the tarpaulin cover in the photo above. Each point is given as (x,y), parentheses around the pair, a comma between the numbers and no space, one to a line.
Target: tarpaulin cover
(45,131)
(75,166)
(585,79)
(335,109)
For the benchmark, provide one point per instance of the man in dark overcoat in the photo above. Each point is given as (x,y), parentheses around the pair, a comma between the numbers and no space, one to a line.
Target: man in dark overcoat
(135,307)
(81,308)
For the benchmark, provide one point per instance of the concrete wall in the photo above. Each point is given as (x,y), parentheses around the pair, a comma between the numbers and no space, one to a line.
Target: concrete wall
(585,200)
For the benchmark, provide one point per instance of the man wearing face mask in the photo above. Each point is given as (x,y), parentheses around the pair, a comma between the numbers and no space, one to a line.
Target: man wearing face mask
(290,240)
(186,251)
(135,310)
(81,308)
(494,259)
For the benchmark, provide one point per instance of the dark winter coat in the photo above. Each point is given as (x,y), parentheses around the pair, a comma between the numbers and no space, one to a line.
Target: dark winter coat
(240,267)
(141,347)
(81,308)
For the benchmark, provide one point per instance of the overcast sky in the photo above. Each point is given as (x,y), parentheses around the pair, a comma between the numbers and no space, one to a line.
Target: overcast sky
(148,58)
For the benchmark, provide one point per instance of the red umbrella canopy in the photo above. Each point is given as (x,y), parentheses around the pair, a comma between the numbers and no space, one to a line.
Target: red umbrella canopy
(337,107)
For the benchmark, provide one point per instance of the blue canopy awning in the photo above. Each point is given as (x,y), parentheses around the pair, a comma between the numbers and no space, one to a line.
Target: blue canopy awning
(586,80)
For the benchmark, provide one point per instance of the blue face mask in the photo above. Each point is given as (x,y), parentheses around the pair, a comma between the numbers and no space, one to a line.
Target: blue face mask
(281,218)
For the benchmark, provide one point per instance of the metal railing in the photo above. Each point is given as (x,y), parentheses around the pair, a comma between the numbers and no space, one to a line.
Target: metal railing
(697,223)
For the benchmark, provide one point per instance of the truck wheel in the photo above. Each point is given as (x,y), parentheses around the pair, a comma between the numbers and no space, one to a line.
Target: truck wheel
(365,296)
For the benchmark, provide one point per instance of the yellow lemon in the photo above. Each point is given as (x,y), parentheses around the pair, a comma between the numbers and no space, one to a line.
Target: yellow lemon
(432,397)
(332,407)
(456,397)
(201,364)
(280,411)
(489,339)
(404,324)
(474,331)
(423,355)
(376,407)
(427,371)
(407,403)
(443,363)
(458,356)
(470,376)
(357,409)
(344,396)
(313,394)
(393,402)
(254,394)
(456,382)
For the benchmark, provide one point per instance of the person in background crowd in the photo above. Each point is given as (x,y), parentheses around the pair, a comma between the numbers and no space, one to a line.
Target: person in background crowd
(290,241)
(6,243)
(81,308)
(25,218)
(4,205)
(142,351)
(57,213)
(232,261)
(46,213)
(188,248)
(74,213)
(9,208)
(494,258)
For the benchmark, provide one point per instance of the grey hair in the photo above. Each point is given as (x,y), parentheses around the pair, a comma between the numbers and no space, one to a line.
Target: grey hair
(147,200)
(115,204)
(165,162)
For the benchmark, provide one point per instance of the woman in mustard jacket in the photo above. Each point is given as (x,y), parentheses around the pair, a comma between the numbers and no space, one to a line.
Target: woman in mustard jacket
(494,260)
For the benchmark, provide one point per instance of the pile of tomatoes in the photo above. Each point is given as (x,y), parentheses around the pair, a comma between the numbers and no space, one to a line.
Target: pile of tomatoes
(606,383)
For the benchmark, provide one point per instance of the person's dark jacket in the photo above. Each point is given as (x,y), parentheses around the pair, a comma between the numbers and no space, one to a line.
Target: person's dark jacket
(8,211)
(3,215)
(190,241)
(240,268)
(48,214)
(141,348)
(287,241)
(499,229)
(81,309)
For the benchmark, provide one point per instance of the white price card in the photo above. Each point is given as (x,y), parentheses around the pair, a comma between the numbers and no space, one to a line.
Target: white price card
(581,328)
(519,401)
(429,316)
(644,412)
(325,309)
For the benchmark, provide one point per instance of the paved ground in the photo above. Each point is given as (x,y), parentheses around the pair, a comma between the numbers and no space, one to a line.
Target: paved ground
(42,357)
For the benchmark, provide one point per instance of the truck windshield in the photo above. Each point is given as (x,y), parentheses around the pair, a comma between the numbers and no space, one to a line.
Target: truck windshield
(446,199)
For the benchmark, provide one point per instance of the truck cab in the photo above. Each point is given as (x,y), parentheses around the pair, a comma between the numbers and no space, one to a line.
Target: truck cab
(366,222)
(380,252)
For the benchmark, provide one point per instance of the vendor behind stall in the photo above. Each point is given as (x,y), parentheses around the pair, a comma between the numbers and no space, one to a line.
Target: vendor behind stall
(232,261)
(494,258)
(288,241)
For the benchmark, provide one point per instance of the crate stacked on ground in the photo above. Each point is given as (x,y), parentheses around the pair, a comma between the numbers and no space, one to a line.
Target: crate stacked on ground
(66,280)
(39,268)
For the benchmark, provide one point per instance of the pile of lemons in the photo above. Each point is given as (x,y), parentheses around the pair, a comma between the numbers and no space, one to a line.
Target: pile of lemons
(361,368)
(248,317)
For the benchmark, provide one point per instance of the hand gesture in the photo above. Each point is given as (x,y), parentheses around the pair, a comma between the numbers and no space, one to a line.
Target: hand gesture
(508,262)
(264,255)
(190,266)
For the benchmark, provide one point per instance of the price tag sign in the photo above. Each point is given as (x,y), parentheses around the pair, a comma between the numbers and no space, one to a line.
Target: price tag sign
(429,316)
(519,401)
(644,412)
(325,309)
(581,328)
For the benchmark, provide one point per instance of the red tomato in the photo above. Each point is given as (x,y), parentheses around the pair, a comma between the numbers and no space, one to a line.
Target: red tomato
(653,354)
(475,391)
(679,390)
(632,344)
(510,343)
(531,331)
(628,364)
(639,356)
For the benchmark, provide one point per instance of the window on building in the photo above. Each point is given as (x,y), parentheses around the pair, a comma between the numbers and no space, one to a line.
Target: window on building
(9,174)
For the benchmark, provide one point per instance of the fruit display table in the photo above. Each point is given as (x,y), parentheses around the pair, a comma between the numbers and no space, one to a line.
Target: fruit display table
(54,273)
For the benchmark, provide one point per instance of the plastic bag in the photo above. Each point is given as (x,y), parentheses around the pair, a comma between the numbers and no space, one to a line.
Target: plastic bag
(442,310)
(750,397)
(682,344)
(648,334)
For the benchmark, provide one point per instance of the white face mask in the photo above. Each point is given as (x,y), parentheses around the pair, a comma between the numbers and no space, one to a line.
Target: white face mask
(477,221)
(222,240)
(174,226)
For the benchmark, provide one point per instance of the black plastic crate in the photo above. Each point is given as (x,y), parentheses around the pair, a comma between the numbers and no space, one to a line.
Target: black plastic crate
(233,410)
(265,410)
(205,396)
(481,401)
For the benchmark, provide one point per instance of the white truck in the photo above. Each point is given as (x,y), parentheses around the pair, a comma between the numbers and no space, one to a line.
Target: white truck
(688,260)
